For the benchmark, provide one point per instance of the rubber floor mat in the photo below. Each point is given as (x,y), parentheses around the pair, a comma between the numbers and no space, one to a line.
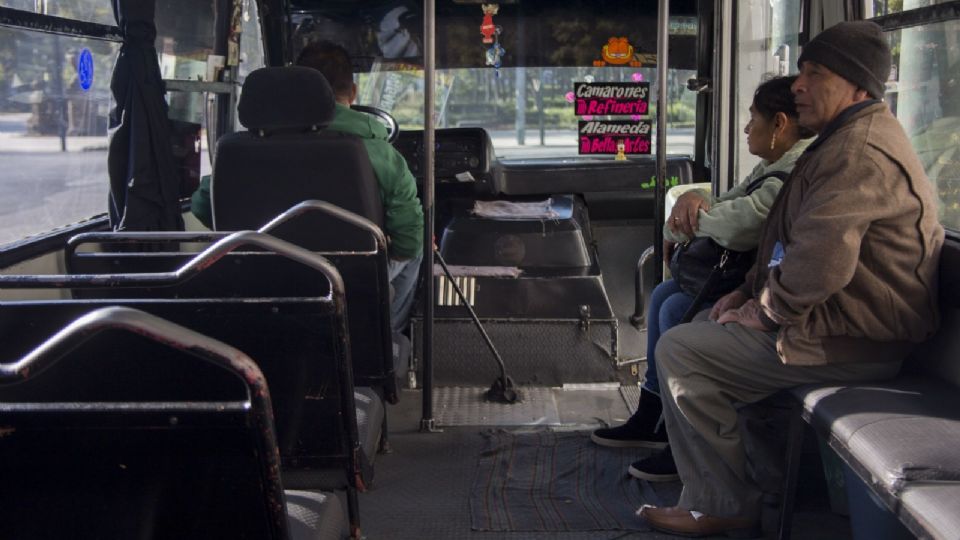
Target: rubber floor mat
(558,481)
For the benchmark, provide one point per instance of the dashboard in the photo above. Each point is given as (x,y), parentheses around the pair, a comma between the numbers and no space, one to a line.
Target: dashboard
(465,162)
(461,155)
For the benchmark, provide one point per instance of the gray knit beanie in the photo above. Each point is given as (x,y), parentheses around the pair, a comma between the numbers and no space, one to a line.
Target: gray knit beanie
(855,50)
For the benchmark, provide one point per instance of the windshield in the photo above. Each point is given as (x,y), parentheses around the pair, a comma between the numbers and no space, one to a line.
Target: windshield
(512,69)
(545,126)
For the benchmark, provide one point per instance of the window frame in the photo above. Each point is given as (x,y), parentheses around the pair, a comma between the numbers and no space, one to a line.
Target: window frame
(921,16)
(52,24)
(47,241)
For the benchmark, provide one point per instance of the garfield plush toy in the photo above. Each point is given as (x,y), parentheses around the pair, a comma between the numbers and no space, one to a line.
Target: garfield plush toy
(617,51)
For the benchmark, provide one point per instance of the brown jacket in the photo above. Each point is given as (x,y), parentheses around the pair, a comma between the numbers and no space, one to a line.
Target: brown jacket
(857,221)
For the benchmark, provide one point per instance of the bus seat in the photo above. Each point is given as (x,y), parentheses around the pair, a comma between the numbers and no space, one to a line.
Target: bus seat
(275,306)
(287,157)
(177,442)
(378,360)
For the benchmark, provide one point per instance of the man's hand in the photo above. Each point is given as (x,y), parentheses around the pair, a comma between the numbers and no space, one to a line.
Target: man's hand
(668,248)
(730,301)
(685,215)
(748,315)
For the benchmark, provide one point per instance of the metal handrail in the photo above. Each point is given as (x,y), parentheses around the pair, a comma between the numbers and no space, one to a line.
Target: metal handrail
(59,345)
(191,268)
(346,216)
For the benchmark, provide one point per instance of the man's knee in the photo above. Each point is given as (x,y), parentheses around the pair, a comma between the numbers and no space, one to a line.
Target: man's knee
(671,345)
(680,348)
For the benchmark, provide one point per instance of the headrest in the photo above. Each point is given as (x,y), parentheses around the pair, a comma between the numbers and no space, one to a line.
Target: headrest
(286,98)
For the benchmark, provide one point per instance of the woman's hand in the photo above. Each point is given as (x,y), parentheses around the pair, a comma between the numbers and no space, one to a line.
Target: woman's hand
(728,302)
(686,212)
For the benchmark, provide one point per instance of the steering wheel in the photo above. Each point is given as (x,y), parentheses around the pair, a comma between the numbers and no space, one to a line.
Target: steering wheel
(393,130)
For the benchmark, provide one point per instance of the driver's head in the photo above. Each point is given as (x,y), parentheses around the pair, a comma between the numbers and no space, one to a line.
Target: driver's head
(334,62)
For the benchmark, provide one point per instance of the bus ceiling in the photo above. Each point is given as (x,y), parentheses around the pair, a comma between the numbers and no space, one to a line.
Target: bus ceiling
(533,33)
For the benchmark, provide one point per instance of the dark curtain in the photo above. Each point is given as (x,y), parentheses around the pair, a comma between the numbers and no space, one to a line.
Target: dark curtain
(144,183)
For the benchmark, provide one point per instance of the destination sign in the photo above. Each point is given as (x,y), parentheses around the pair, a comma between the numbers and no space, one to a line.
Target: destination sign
(613,98)
(604,137)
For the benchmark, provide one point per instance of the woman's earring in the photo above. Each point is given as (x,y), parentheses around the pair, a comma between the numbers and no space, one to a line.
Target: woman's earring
(773,140)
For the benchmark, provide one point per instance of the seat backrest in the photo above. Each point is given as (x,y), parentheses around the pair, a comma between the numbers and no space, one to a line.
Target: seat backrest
(938,356)
(265,275)
(287,156)
(123,425)
(299,341)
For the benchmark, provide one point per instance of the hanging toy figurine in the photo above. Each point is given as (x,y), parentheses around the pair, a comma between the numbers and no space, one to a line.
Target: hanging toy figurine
(494,54)
(487,28)
(491,35)
(621,151)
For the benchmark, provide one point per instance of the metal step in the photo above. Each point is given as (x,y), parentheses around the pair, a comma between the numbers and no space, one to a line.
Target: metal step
(536,351)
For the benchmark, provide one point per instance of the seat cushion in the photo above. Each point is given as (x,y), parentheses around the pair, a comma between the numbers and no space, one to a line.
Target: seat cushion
(312,515)
(875,428)
(840,411)
(889,452)
(370,412)
(932,510)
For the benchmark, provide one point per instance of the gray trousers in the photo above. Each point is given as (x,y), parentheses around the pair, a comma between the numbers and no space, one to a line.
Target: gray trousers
(707,372)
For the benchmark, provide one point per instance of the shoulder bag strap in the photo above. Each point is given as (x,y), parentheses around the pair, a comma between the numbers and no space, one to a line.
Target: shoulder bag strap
(755,185)
(707,288)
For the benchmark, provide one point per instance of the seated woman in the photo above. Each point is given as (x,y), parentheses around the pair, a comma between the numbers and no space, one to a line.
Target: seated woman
(734,221)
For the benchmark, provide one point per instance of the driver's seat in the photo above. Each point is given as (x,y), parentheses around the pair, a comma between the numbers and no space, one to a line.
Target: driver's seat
(288,156)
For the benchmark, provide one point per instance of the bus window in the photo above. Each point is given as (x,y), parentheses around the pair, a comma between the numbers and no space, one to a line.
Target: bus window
(877,8)
(54,101)
(95,11)
(251,40)
(525,104)
(768,45)
(924,94)
(185,39)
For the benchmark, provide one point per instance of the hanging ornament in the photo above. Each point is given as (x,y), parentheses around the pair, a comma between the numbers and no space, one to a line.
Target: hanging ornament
(487,29)
(494,55)
(491,36)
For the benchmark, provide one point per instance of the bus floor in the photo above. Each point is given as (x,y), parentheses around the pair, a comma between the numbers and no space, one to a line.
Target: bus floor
(422,486)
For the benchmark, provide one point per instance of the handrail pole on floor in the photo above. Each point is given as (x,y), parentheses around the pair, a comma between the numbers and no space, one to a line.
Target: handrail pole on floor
(429,72)
(660,189)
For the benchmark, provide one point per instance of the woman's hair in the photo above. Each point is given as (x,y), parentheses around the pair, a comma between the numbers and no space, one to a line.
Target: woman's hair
(773,96)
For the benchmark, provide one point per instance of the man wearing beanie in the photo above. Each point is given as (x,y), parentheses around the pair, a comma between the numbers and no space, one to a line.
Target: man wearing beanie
(843,288)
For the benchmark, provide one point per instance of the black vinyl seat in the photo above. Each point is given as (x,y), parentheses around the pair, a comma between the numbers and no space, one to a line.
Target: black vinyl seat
(286,157)
(239,292)
(124,425)
(364,271)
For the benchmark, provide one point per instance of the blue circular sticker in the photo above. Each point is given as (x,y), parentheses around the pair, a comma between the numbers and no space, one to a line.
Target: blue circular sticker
(85,69)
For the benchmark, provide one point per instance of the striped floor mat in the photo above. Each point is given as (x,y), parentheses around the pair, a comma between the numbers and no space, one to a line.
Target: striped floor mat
(559,481)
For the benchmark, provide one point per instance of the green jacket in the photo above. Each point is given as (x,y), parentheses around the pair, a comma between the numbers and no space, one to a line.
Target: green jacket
(735,219)
(403,216)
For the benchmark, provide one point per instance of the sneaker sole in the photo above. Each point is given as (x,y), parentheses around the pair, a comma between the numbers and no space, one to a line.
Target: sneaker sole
(637,473)
(616,443)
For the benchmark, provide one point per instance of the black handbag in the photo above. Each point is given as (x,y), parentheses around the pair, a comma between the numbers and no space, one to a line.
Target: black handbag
(706,270)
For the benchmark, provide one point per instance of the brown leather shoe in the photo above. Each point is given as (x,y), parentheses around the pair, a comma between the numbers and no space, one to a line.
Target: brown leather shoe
(679,521)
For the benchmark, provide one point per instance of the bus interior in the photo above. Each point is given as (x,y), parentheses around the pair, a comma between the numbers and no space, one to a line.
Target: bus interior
(165,379)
